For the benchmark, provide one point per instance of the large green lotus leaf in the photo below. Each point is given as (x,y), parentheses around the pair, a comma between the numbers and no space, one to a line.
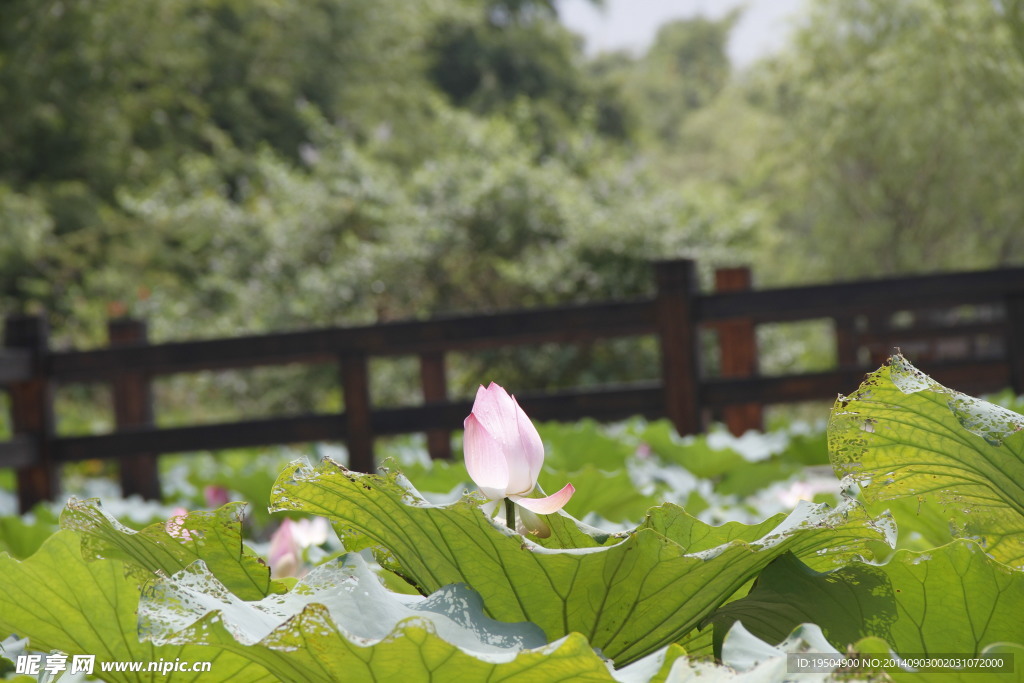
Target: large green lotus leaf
(694,535)
(338,623)
(356,601)
(629,598)
(903,434)
(920,525)
(913,601)
(309,647)
(848,603)
(854,530)
(214,537)
(697,643)
(357,638)
(60,601)
(610,494)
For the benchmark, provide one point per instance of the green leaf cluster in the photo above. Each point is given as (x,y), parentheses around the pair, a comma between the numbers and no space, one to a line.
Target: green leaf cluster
(654,602)
(630,594)
(67,598)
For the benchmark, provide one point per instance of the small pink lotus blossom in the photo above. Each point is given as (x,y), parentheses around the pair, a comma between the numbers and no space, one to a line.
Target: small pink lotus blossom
(504,456)
(288,542)
(216,496)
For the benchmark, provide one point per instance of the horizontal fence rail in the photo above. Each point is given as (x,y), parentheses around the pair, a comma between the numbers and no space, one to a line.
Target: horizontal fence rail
(568,324)
(871,296)
(979,354)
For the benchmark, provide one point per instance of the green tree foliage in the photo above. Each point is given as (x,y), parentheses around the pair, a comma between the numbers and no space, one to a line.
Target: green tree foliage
(103,100)
(103,87)
(684,70)
(489,61)
(224,165)
(218,167)
(890,148)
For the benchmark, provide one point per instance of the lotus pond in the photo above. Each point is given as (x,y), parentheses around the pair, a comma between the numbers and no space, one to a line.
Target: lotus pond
(896,529)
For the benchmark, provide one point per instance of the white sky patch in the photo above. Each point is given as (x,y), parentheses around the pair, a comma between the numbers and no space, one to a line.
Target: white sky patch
(632,24)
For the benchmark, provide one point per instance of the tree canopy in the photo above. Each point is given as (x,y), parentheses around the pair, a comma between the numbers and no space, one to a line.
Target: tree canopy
(220,165)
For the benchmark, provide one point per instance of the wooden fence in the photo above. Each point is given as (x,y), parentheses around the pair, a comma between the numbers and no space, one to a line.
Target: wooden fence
(983,351)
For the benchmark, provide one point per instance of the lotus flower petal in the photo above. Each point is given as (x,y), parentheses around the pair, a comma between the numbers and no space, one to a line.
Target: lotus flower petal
(490,506)
(529,440)
(485,459)
(284,550)
(310,532)
(549,504)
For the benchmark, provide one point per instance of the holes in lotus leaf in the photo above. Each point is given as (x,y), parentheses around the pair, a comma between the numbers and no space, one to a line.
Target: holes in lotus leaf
(991,422)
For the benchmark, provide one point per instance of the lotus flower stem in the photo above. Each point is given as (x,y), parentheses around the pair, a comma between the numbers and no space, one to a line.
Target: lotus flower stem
(510,514)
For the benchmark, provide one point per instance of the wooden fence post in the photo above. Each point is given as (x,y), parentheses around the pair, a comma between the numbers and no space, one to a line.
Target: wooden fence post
(355,387)
(133,407)
(846,341)
(737,342)
(677,330)
(1015,339)
(32,410)
(435,390)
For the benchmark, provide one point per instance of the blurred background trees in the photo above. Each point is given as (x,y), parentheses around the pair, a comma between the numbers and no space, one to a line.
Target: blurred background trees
(895,152)
(218,166)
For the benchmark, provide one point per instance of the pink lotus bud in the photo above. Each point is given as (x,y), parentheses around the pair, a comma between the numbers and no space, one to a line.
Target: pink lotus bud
(504,454)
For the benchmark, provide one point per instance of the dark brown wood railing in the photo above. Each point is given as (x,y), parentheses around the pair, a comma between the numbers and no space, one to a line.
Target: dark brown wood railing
(980,353)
